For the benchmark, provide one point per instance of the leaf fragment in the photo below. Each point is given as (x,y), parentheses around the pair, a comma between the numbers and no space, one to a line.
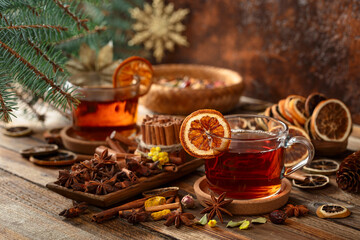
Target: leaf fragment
(235,224)
(203,221)
(244,225)
(259,220)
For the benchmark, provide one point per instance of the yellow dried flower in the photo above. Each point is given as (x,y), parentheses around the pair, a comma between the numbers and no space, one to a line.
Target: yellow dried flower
(212,223)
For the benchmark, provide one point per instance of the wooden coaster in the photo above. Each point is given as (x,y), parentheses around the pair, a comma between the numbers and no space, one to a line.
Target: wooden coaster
(247,207)
(73,143)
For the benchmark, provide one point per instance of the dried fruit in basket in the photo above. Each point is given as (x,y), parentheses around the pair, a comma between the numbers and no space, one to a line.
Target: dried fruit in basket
(331,121)
(203,133)
(296,107)
(312,101)
(134,69)
(296,152)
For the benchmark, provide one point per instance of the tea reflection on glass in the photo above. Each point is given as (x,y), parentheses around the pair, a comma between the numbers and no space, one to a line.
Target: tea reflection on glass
(253,166)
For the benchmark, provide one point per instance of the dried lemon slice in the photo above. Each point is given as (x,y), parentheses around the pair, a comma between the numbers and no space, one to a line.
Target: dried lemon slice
(332,211)
(204,134)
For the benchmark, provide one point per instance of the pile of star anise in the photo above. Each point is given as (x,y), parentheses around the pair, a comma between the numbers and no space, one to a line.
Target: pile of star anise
(102,175)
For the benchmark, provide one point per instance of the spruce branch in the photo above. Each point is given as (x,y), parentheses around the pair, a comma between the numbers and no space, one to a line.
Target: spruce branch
(79,22)
(5,111)
(70,99)
(96,30)
(42,54)
(57,28)
(29,103)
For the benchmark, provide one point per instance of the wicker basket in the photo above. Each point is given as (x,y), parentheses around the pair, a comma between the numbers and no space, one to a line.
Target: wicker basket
(182,101)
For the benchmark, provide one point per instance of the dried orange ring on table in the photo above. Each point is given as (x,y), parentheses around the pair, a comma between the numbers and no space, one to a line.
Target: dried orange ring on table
(131,70)
(205,134)
(331,121)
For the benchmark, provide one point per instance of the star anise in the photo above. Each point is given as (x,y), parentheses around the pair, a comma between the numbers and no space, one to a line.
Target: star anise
(136,216)
(67,178)
(107,171)
(75,211)
(102,187)
(216,206)
(103,159)
(297,211)
(178,218)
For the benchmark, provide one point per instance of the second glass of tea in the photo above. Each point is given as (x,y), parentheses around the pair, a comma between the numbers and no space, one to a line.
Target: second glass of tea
(253,166)
(104,109)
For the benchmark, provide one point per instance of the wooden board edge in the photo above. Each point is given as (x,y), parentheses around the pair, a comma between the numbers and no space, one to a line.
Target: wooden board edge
(131,191)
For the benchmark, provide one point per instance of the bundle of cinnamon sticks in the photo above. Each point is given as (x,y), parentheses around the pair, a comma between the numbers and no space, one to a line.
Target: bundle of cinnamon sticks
(161,130)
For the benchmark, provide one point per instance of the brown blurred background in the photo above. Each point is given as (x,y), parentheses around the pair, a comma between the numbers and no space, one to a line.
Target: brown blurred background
(280,47)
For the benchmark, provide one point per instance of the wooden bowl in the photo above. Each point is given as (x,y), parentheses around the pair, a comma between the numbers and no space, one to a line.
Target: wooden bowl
(182,101)
(323,148)
(73,143)
(247,207)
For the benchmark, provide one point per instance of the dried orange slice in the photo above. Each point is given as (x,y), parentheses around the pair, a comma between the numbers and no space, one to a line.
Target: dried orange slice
(297,109)
(312,101)
(296,152)
(331,121)
(276,113)
(283,112)
(131,70)
(201,133)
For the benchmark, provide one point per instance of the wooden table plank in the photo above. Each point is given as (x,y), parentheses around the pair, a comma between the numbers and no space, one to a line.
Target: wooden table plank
(30,211)
(14,163)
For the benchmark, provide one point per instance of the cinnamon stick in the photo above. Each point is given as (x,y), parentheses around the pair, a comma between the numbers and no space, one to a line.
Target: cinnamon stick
(100,149)
(122,213)
(170,200)
(153,137)
(115,145)
(122,139)
(114,212)
(162,135)
(176,133)
(170,168)
(162,207)
(143,134)
(176,160)
(169,134)
(147,134)
(157,134)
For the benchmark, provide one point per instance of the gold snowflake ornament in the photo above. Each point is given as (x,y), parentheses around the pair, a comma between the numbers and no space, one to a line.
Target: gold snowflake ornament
(158,27)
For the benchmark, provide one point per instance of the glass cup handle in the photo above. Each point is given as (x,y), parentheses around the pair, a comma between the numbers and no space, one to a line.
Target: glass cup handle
(307,160)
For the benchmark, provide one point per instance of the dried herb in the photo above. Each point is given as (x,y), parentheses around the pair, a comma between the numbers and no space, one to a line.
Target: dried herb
(203,221)
(244,225)
(234,224)
(259,220)
(177,218)
(297,211)
(135,217)
(75,211)
(216,206)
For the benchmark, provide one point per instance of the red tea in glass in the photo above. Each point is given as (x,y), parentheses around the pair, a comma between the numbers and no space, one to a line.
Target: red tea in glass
(253,166)
(105,109)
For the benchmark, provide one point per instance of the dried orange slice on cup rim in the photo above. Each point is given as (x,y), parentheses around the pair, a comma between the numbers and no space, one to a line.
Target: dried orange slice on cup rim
(205,134)
(131,70)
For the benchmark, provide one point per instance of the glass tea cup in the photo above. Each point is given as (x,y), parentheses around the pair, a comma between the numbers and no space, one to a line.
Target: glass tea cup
(103,109)
(253,166)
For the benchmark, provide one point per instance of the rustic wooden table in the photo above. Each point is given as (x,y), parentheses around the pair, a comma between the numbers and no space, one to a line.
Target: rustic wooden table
(28,210)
